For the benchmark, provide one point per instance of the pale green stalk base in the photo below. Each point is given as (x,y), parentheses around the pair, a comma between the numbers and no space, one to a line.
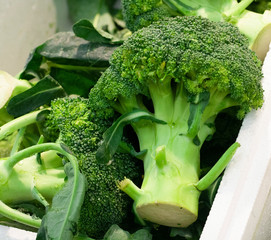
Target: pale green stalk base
(170,191)
(168,196)
(257,27)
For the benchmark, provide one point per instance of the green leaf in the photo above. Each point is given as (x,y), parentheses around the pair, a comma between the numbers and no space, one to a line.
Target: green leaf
(60,221)
(32,67)
(113,135)
(67,49)
(197,106)
(64,50)
(125,147)
(42,93)
(85,29)
(75,82)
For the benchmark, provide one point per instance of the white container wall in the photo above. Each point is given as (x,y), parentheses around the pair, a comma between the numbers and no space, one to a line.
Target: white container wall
(242,206)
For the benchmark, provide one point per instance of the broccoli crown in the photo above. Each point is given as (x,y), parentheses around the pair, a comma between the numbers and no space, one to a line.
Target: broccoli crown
(139,13)
(200,54)
(104,203)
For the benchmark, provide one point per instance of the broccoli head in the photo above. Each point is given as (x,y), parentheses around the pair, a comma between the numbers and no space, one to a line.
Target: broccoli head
(104,203)
(254,22)
(184,71)
(139,13)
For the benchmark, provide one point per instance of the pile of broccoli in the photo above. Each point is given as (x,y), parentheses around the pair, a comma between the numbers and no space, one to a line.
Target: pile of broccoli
(131,150)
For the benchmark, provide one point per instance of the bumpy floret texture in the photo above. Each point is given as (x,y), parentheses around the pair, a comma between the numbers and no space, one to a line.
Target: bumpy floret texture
(140,13)
(81,130)
(202,54)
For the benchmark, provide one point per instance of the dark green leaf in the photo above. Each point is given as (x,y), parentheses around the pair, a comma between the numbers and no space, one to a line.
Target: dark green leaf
(42,93)
(60,221)
(75,82)
(84,29)
(69,50)
(113,135)
(125,147)
(32,67)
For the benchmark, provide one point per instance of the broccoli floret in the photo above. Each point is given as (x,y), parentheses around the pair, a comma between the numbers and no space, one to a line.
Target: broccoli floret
(183,71)
(81,130)
(139,13)
(256,26)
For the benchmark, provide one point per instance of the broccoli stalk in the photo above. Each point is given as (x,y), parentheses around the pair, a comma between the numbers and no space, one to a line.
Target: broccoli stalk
(171,188)
(37,171)
(181,72)
(10,87)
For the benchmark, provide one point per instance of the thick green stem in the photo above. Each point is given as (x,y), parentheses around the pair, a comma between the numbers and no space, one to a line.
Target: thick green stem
(257,28)
(167,195)
(7,165)
(217,169)
(18,123)
(238,8)
(163,99)
(18,216)
(51,159)
(35,185)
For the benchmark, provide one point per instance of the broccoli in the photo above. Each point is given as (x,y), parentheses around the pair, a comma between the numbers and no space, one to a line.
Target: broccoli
(138,14)
(41,174)
(36,170)
(104,203)
(256,26)
(183,72)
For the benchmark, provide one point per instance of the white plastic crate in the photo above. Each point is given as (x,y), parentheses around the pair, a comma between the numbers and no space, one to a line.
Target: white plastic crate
(242,206)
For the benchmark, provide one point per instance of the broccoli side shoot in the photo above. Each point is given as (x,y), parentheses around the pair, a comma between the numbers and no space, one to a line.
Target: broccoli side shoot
(183,71)
(139,13)
(81,130)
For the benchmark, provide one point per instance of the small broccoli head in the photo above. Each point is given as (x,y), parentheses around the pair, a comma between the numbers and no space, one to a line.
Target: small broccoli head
(104,203)
(139,13)
(202,55)
(81,129)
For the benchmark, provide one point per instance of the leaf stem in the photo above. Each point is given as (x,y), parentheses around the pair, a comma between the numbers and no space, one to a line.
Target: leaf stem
(217,169)
(18,123)
(239,8)
(18,216)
